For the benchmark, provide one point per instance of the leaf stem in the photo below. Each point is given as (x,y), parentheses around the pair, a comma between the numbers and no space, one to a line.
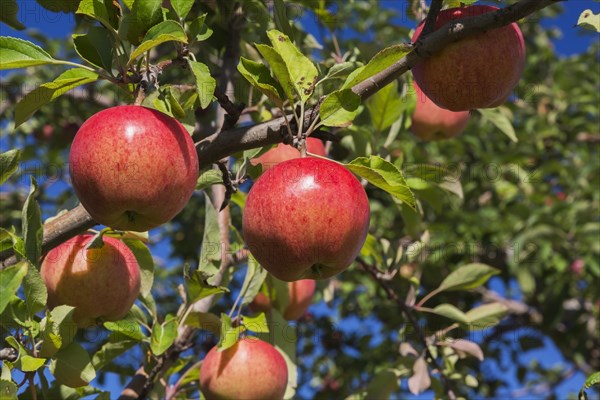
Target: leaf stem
(427,297)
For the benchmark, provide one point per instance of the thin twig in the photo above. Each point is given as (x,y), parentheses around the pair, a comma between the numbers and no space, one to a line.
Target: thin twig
(8,354)
(430,20)
(408,312)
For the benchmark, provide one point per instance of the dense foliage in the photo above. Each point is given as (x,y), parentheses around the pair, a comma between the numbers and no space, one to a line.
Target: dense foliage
(491,237)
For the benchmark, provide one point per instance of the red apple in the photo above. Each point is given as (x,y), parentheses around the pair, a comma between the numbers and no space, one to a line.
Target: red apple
(306,218)
(577,267)
(251,369)
(133,168)
(430,122)
(101,283)
(300,295)
(479,71)
(284,152)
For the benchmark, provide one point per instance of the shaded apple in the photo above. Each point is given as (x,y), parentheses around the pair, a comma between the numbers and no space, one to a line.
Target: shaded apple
(479,71)
(306,218)
(101,283)
(300,298)
(430,122)
(133,168)
(577,267)
(283,152)
(251,369)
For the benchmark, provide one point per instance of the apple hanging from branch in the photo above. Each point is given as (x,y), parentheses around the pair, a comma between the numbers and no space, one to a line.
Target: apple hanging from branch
(300,298)
(251,369)
(430,122)
(479,71)
(133,168)
(101,283)
(306,218)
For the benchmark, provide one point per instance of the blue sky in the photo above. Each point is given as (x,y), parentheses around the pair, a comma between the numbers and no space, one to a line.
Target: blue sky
(574,40)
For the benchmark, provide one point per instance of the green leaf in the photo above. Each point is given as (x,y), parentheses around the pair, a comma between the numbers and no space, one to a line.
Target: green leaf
(166,31)
(278,292)
(19,53)
(9,162)
(95,47)
(95,9)
(255,276)
(10,9)
(182,7)
(281,19)
(208,178)
(198,30)
(10,282)
(378,63)
(204,320)
(8,390)
(144,259)
(443,178)
(49,91)
(66,6)
(229,334)
(279,69)
(205,83)
(31,219)
(303,73)
(72,366)
(593,379)
(384,175)
(260,77)
(210,252)
(5,374)
(27,363)
(284,337)
(109,351)
(36,294)
(144,15)
(486,316)
(125,329)
(339,108)
(257,323)
(458,3)
(386,106)
(176,108)
(589,20)
(500,120)
(383,385)
(57,330)
(449,311)
(163,335)
(468,277)
(198,288)
(340,71)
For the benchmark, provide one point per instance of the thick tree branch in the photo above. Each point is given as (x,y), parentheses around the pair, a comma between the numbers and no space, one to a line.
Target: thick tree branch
(408,312)
(228,142)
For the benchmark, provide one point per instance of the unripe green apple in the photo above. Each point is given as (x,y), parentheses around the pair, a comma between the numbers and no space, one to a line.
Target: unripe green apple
(283,152)
(133,168)
(306,218)
(479,71)
(300,298)
(430,122)
(249,370)
(101,283)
